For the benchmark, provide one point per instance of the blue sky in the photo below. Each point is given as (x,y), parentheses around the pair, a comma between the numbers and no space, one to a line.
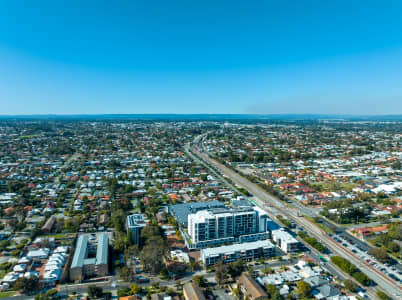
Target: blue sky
(74,57)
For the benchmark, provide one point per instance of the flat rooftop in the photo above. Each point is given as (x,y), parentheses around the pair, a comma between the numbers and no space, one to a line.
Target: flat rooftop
(236,248)
(136,220)
(284,236)
(181,211)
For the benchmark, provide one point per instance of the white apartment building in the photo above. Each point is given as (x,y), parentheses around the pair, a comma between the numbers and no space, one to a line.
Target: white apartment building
(285,241)
(245,251)
(135,223)
(217,226)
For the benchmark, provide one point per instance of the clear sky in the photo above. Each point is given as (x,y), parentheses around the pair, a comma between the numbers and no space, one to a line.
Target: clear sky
(168,56)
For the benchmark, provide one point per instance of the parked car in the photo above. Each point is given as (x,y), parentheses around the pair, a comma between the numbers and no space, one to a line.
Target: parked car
(142,279)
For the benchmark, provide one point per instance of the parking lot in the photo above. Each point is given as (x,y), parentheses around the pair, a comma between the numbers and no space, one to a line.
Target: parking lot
(387,269)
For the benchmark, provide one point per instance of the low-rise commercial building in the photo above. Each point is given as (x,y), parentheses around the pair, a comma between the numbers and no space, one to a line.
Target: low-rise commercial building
(285,241)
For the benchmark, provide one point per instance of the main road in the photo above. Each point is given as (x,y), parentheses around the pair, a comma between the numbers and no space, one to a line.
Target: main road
(266,200)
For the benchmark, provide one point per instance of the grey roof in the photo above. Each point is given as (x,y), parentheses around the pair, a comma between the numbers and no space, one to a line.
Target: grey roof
(80,251)
(181,211)
(236,248)
(328,290)
(239,203)
(102,249)
(290,276)
(224,210)
(135,220)
(315,281)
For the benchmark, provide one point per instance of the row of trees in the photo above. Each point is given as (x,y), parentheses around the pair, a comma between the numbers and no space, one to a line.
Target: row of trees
(155,249)
(27,285)
(387,240)
(312,241)
(49,295)
(380,254)
(152,253)
(346,212)
(351,269)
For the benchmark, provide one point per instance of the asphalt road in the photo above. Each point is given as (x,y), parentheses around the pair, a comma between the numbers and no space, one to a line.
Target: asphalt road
(262,198)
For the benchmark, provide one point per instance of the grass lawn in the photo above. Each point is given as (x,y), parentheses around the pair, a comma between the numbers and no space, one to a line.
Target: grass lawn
(325,228)
(7,294)
(322,226)
(334,186)
(60,235)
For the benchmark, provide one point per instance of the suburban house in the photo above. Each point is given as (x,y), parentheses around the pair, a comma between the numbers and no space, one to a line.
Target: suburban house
(250,288)
(191,291)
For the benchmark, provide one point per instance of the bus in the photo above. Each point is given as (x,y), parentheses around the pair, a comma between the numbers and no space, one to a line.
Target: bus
(322,258)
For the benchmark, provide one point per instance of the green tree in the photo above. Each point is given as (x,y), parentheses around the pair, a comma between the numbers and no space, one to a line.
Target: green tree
(303,289)
(236,268)
(273,292)
(118,218)
(350,285)
(200,280)
(236,293)
(26,285)
(394,247)
(362,278)
(397,165)
(344,264)
(124,292)
(380,254)
(127,274)
(135,289)
(49,295)
(153,254)
(149,232)
(220,273)
(130,252)
(34,233)
(121,242)
(94,292)
(381,295)
(193,265)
